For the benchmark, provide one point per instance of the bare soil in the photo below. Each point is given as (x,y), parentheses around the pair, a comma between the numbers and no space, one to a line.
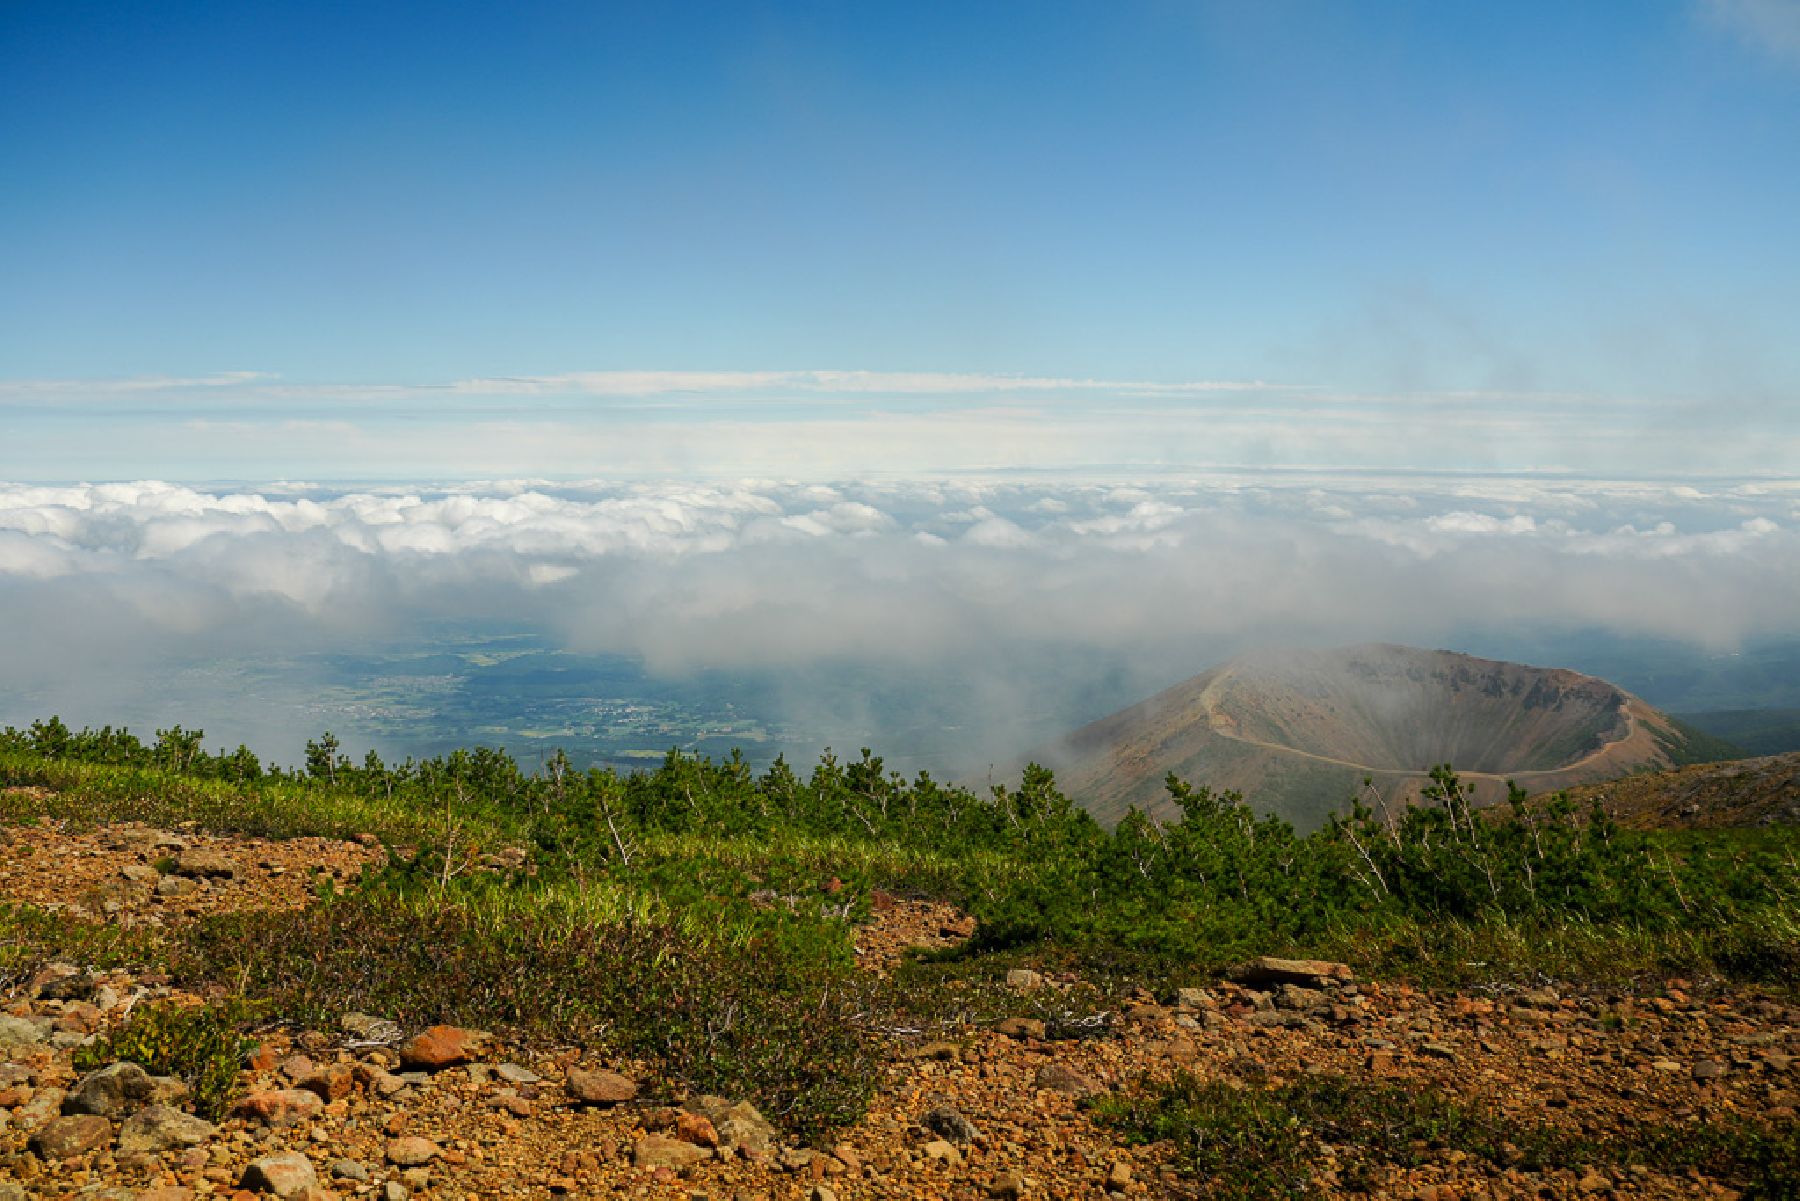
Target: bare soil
(1599,1063)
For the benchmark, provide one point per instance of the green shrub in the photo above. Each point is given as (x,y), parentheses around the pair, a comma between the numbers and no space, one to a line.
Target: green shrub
(1242,1142)
(202,1045)
(31,937)
(763,1018)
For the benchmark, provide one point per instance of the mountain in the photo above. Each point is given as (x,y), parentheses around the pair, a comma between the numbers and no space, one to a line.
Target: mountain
(1745,792)
(1297,732)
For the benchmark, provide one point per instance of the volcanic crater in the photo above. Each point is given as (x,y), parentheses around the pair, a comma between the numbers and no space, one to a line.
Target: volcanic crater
(1298,731)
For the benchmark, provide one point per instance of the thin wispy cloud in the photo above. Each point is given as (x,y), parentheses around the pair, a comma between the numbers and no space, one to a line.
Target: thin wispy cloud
(128,385)
(846,383)
(1771,26)
(822,424)
(812,383)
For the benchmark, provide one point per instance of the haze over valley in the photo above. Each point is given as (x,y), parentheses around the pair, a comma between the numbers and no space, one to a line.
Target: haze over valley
(953,624)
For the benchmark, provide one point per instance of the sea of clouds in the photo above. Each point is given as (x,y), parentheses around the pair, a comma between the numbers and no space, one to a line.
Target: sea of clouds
(105,589)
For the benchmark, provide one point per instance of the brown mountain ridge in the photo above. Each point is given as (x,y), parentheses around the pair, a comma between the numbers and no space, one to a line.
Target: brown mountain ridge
(1298,731)
(1705,796)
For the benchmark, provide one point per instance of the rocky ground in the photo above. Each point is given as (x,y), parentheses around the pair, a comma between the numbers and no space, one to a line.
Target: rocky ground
(1741,792)
(133,874)
(368,1110)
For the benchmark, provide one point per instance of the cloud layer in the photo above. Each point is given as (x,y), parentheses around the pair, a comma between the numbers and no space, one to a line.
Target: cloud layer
(106,588)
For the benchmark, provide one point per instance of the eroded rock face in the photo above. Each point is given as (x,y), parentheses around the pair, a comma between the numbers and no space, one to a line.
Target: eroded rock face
(1298,731)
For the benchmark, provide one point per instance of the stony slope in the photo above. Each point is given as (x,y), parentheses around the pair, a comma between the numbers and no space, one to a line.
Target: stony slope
(1298,731)
(1745,792)
(365,1110)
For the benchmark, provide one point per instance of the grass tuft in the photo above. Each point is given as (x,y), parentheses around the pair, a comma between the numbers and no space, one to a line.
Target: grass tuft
(1240,1142)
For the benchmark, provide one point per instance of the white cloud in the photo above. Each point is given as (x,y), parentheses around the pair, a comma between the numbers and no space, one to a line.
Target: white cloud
(997,533)
(107,588)
(320,551)
(1463,522)
(1772,26)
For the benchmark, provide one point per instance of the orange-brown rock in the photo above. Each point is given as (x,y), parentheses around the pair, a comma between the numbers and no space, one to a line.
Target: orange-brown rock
(697,1129)
(600,1087)
(437,1048)
(279,1107)
(332,1082)
(655,1151)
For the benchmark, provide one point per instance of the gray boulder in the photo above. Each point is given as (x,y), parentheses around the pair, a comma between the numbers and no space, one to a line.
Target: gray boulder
(65,1138)
(121,1088)
(201,863)
(160,1128)
(947,1122)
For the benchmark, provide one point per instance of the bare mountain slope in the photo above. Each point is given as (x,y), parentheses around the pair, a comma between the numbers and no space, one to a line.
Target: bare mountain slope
(1298,731)
(1745,792)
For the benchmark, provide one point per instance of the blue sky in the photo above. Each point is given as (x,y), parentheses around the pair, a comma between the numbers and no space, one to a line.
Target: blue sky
(1517,237)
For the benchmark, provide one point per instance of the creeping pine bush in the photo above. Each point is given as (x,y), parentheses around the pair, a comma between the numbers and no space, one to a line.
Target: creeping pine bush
(201,1045)
(31,937)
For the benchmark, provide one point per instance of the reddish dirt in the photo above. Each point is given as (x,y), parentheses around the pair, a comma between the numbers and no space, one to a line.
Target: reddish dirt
(134,874)
(1600,1063)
